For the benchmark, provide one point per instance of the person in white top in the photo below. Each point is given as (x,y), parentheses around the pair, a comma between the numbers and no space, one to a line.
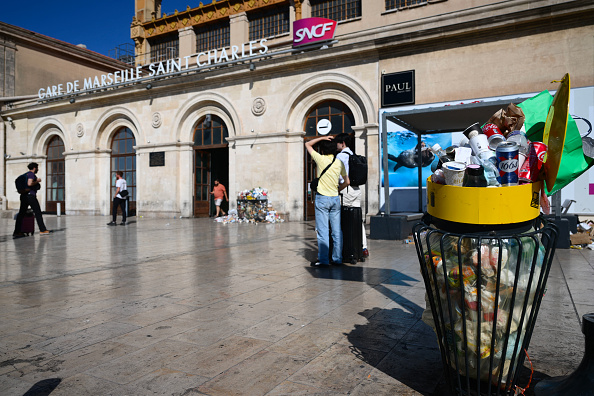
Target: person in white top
(119,199)
(351,196)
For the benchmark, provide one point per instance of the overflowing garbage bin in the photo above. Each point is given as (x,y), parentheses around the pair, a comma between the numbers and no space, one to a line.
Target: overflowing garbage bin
(485,273)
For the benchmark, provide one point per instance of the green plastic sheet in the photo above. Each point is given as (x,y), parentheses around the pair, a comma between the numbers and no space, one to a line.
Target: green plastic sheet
(573,160)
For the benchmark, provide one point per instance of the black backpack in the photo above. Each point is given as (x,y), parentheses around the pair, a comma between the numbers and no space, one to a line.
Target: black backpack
(21,184)
(357,170)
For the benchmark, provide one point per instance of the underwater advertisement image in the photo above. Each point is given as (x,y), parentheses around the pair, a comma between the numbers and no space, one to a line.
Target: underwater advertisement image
(403,158)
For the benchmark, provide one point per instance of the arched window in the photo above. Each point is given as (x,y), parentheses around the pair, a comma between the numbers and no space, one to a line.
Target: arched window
(210,131)
(123,158)
(55,177)
(337,112)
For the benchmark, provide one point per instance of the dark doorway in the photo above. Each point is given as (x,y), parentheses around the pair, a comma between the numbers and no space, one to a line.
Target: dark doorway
(55,176)
(211,162)
(123,158)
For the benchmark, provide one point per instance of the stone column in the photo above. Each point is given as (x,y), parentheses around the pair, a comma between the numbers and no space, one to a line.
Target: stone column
(239,27)
(366,143)
(187,41)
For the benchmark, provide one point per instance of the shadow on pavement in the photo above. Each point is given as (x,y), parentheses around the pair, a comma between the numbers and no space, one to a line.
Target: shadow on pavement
(408,347)
(43,388)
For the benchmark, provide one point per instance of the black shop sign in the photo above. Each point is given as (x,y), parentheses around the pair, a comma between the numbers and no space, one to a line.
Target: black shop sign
(398,88)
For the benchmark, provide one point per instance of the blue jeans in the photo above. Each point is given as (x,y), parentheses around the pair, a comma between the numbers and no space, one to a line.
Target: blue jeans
(328,215)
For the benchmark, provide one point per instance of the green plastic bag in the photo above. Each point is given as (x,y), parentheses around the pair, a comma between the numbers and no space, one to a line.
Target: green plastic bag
(573,160)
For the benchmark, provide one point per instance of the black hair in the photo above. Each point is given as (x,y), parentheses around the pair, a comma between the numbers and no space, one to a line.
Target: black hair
(342,138)
(327,147)
(33,165)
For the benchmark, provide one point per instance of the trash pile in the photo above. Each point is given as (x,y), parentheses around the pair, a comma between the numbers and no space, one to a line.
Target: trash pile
(584,236)
(495,154)
(464,274)
(252,207)
(257,193)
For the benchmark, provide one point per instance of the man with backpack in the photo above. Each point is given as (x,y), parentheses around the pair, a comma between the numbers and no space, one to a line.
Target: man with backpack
(357,171)
(27,186)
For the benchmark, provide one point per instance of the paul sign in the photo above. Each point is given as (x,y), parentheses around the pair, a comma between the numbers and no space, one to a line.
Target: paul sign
(398,88)
(311,30)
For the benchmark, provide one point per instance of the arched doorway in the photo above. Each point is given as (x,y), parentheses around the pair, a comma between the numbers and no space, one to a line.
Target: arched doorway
(211,162)
(55,176)
(123,158)
(342,120)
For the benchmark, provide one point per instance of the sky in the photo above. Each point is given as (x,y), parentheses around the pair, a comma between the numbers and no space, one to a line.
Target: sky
(101,28)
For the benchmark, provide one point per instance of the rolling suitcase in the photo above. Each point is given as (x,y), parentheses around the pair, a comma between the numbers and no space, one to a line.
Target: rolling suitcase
(28,224)
(351,219)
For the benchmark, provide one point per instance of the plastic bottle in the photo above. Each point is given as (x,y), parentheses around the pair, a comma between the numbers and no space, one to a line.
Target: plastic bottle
(474,176)
(491,172)
(441,154)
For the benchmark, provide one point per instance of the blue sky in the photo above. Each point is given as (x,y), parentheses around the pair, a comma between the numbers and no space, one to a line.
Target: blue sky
(82,22)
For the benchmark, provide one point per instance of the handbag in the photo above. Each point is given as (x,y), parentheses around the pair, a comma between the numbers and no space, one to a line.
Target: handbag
(314,183)
(124,193)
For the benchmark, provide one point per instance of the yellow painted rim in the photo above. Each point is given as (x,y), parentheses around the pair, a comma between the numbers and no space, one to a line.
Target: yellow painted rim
(484,205)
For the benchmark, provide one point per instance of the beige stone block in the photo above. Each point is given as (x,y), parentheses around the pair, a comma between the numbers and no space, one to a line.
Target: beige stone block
(165,382)
(156,332)
(338,368)
(136,365)
(253,376)
(216,358)
(308,342)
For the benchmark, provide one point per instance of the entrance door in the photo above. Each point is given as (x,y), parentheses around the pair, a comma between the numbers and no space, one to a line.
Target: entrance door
(211,162)
(55,188)
(123,158)
(202,183)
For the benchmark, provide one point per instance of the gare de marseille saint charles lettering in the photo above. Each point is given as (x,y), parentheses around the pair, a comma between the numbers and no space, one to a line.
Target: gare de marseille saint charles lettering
(307,31)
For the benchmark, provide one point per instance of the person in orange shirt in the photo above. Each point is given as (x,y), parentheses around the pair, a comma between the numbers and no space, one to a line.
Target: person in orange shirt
(219,193)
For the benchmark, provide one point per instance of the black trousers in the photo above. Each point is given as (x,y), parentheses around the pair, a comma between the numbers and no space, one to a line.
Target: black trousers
(26,201)
(122,204)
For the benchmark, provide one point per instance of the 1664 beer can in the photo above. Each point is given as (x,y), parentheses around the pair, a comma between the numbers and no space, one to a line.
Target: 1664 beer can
(507,163)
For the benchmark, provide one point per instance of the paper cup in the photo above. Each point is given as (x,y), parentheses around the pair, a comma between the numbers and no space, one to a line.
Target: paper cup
(454,173)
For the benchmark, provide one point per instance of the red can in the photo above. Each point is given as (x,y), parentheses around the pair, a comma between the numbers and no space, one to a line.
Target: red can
(532,168)
(494,135)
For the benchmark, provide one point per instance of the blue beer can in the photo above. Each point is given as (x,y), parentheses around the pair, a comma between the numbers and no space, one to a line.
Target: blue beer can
(507,163)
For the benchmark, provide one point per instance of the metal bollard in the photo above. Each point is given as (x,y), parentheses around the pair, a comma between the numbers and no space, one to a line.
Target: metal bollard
(581,381)
(59,209)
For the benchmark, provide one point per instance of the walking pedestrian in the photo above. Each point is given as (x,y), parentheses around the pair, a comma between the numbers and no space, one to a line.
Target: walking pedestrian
(219,192)
(119,199)
(28,199)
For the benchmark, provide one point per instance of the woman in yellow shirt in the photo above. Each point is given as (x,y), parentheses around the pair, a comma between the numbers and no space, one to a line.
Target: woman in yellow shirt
(327,200)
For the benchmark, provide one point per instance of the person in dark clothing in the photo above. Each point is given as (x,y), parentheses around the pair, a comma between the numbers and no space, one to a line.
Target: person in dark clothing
(29,199)
(119,199)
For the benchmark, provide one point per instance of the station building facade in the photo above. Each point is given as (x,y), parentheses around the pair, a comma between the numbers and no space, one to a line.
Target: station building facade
(223,91)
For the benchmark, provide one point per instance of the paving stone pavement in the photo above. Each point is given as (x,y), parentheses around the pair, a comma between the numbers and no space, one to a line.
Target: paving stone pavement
(190,306)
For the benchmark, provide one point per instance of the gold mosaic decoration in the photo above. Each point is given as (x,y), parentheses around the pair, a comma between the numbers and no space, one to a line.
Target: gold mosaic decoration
(161,28)
(223,10)
(210,14)
(237,7)
(173,25)
(185,21)
(197,18)
(150,31)
(251,3)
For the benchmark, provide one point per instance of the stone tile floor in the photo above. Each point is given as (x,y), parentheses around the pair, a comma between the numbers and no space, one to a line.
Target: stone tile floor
(182,307)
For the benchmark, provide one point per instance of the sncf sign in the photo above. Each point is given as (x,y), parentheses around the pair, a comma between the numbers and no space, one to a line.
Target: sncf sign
(310,30)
